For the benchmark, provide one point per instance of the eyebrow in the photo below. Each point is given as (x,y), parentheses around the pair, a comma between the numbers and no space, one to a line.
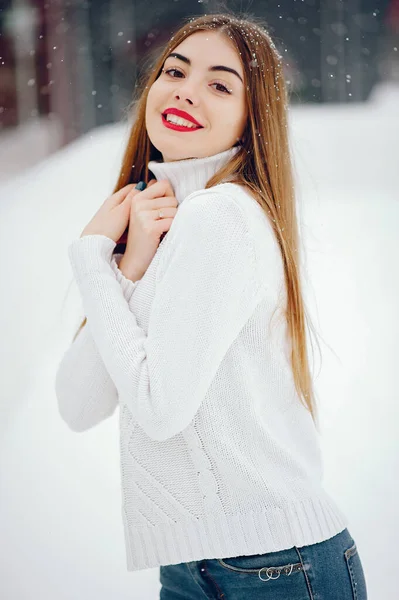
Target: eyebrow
(214,68)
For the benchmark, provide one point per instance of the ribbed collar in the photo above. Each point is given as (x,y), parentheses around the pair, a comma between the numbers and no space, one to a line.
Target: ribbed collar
(191,174)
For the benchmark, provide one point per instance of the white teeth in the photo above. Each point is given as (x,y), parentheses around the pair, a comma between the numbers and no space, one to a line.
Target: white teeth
(178,121)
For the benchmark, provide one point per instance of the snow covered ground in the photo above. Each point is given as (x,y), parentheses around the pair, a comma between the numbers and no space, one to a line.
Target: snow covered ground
(60,522)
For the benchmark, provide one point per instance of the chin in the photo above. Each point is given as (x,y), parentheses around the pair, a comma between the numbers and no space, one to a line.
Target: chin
(172,150)
(169,151)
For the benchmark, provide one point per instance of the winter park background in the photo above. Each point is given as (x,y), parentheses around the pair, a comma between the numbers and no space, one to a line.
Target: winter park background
(60,523)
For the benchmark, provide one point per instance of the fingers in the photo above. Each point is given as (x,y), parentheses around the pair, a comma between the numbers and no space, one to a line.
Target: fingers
(149,205)
(157,189)
(130,190)
(168,212)
(119,196)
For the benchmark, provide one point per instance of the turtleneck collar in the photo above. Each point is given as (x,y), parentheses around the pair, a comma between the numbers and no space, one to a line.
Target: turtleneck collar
(191,174)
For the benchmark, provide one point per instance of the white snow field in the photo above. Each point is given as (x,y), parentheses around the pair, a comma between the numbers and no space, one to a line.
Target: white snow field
(60,521)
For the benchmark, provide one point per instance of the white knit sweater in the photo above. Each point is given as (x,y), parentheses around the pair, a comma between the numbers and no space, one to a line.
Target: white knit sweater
(218,456)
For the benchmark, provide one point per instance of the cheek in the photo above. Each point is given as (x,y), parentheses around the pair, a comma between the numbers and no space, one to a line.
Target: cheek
(234,118)
(152,97)
(151,106)
(242,117)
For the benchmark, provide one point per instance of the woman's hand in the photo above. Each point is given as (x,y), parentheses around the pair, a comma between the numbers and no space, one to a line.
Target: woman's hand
(113,215)
(123,238)
(146,227)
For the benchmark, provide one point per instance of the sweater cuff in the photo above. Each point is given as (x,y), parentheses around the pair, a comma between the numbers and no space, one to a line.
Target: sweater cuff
(90,253)
(128,286)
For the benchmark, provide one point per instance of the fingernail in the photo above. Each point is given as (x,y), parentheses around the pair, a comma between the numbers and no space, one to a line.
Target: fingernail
(141,186)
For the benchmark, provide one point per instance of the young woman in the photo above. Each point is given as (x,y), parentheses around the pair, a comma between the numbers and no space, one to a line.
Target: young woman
(220,456)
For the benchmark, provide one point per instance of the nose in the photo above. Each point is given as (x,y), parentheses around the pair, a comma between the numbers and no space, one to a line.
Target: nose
(187,93)
(179,97)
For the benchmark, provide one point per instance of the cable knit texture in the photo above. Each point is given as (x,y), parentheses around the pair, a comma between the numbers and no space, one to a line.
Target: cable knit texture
(218,456)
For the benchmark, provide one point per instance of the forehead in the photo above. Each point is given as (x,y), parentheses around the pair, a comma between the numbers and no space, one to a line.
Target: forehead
(203,47)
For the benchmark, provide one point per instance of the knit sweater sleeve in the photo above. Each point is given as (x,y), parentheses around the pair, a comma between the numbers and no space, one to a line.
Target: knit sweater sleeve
(206,290)
(85,392)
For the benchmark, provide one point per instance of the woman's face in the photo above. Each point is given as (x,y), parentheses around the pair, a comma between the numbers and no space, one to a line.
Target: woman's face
(198,82)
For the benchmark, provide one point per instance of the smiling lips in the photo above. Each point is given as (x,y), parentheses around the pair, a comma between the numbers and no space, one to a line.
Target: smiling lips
(180,115)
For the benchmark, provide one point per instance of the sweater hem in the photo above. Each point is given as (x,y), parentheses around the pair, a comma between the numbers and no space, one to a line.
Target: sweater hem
(299,524)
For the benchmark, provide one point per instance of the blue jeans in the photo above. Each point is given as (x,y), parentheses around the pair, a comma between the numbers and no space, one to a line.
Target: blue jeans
(331,570)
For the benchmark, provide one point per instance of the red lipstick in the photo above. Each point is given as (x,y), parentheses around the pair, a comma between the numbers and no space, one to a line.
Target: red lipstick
(183,115)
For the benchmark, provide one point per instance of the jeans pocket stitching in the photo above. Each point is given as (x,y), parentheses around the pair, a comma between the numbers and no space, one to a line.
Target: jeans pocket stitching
(311,595)
(348,555)
(351,551)
(284,569)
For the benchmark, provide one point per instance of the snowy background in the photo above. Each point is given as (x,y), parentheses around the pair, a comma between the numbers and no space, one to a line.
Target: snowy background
(60,522)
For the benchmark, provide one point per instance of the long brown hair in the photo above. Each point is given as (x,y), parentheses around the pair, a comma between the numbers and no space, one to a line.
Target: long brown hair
(263,162)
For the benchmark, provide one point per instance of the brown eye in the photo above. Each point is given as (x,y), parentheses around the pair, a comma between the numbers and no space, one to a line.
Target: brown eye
(220,86)
(224,88)
(168,71)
